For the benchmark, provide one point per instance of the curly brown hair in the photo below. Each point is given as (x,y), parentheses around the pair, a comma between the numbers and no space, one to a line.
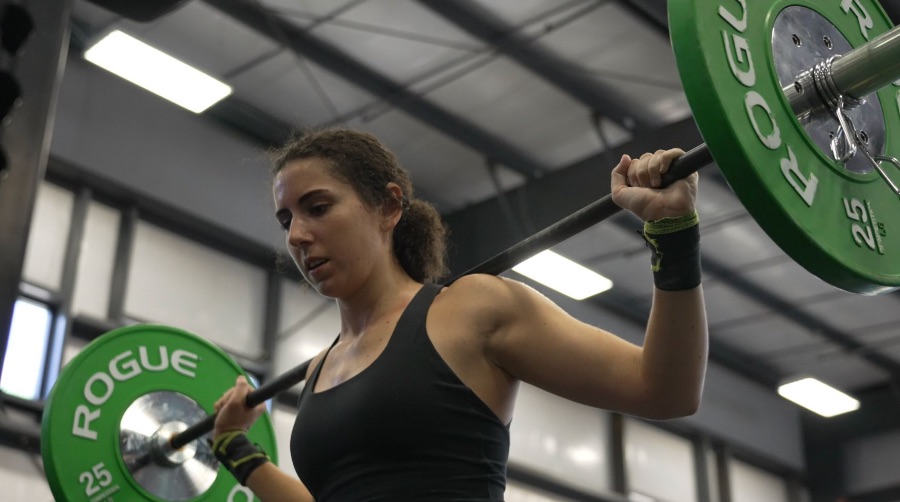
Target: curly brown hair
(362,161)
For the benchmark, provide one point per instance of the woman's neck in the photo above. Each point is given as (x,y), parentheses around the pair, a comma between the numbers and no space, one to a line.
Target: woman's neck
(380,298)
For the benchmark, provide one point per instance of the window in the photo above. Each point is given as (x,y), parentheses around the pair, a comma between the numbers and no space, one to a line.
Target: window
(659,464)
(570,445)
(26,351)
(749,483)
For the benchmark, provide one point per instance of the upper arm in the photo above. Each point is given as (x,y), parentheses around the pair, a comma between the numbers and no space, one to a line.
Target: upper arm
(535,341)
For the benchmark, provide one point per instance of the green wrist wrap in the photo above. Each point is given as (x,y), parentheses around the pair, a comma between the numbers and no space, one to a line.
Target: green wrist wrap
(241,457)
(675,243)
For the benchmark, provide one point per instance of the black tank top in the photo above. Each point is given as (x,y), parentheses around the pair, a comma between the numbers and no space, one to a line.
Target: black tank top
(404,429)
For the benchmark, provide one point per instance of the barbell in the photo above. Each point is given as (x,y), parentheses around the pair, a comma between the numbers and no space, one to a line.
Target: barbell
(798,103)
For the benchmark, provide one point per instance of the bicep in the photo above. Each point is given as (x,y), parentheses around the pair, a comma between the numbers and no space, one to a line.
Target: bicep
(541,344)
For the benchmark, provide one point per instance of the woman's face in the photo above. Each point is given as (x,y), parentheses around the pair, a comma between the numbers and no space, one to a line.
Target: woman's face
(336,240)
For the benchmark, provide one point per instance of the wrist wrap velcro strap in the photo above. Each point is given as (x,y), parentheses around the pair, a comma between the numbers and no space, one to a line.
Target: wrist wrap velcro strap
(675,243)
(238,454)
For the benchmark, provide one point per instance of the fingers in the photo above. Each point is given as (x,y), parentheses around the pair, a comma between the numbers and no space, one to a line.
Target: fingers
(648,170)
(637,186)
(237,391)
(231,409)
(642,171)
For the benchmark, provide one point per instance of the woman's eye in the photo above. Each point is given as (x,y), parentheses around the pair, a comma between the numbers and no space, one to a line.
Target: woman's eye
(318,209)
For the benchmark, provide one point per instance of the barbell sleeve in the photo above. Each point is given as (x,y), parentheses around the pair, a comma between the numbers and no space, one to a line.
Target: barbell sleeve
(869,67)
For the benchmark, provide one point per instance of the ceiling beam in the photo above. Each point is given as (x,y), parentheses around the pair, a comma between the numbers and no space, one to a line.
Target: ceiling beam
(652,12)
(490,29)
(301,43)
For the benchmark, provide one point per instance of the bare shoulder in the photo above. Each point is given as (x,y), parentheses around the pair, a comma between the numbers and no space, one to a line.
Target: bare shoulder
(487,301)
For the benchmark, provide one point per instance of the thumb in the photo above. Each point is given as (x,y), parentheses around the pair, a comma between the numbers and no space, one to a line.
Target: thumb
(619,175)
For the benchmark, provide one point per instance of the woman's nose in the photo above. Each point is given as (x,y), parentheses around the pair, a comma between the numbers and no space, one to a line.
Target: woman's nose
(298,234)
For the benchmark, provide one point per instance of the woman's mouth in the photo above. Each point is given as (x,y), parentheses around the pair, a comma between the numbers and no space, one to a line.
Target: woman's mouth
(313,264)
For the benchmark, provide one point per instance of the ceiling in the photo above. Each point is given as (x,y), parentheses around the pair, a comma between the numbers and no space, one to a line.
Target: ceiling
(498,108)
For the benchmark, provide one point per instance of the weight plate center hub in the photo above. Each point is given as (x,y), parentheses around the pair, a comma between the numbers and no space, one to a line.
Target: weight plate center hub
(801,39)
(146,428)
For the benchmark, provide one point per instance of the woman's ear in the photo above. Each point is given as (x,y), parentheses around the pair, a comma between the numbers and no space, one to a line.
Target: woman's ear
(393,210)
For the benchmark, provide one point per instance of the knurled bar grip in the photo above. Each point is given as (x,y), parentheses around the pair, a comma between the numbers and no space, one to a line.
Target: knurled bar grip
(569,226)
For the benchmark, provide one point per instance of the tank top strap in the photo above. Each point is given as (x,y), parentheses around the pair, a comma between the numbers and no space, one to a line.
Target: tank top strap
(311,381)
(414,315)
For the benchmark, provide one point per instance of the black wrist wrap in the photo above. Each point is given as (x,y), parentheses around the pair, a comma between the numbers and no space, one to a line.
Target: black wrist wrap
(675,243)
(241,457)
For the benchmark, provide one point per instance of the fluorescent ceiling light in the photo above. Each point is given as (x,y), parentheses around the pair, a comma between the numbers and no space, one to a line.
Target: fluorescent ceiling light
(818,397)
(583,455)
(157,72)
(563,275)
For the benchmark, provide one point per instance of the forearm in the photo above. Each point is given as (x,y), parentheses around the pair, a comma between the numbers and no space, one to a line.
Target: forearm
(673,361)
(250,465)
(271,484)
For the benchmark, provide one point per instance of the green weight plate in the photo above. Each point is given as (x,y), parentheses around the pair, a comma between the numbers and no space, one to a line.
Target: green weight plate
(835,221)
(99,422)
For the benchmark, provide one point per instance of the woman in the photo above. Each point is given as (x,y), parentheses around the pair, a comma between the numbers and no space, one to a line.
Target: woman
(414,398)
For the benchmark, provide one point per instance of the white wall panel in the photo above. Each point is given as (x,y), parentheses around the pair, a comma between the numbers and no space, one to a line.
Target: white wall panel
(72,348)
(96,261)
(751,484)
(21,477)
(561,439)
(176,281)
(518,492)
(48,235)
(873,463)
(658,463)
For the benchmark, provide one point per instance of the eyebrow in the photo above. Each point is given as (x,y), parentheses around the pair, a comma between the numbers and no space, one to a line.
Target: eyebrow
(303,198)
(310,194)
